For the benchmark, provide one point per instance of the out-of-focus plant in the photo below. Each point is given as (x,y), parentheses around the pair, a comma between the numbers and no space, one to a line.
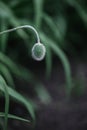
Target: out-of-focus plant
(8,91)
(38,53)
(8,18)
(26,12)
(61,25)
(18,13)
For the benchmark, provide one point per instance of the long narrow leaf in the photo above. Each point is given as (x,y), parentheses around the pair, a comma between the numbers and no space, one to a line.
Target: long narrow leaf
(63,59)
(10,116)
(6,73)
(13,20)
(3,38)
(48,60)
(4,86)
(19,98)
(19,71)
(38,5)
(23,73)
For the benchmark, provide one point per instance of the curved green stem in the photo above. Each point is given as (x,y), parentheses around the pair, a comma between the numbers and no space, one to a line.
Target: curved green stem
(20,27)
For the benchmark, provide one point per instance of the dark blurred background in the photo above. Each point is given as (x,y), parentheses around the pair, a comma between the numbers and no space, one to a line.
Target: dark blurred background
(57,85)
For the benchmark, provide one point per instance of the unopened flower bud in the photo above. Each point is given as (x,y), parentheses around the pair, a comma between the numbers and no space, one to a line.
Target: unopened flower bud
(38,51)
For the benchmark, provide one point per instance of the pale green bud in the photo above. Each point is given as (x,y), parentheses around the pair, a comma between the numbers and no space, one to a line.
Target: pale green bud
(38,51)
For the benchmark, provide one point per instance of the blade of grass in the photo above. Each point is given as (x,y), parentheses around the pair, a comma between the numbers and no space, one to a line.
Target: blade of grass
(63,59)
(82,11)
(4,38)
(6,108)
(58,27)
(19,71)
(14,94)
(48,61)
(3,85)
(52,25)
(23,73)
(13,20)
(38,5)
(14,117)
(6,73)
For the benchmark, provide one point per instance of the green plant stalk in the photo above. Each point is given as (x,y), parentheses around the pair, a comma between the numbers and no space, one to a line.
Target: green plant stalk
(38,50)
(21,27)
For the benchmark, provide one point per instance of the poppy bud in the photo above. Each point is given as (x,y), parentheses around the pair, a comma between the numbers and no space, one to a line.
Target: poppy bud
(38,51)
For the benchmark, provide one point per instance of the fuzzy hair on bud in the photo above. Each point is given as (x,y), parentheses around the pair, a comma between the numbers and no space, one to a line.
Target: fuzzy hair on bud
(38,51)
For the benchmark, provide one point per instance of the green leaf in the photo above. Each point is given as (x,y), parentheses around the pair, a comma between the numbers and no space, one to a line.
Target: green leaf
(82,11)
(38,5)
(57,26)
(23,73)
(19,71)
(48,60)
(3,38)
(14,94)
(4,86)
(63,59)
(13,20)
(7,75)
(14,117)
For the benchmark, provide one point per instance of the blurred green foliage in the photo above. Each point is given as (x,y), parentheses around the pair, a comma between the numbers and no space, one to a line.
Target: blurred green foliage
(38,13)
(63,21)
(62,25)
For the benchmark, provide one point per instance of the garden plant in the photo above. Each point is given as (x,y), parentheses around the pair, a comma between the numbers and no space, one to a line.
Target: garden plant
(60,25)
(38,53)
(8,67)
